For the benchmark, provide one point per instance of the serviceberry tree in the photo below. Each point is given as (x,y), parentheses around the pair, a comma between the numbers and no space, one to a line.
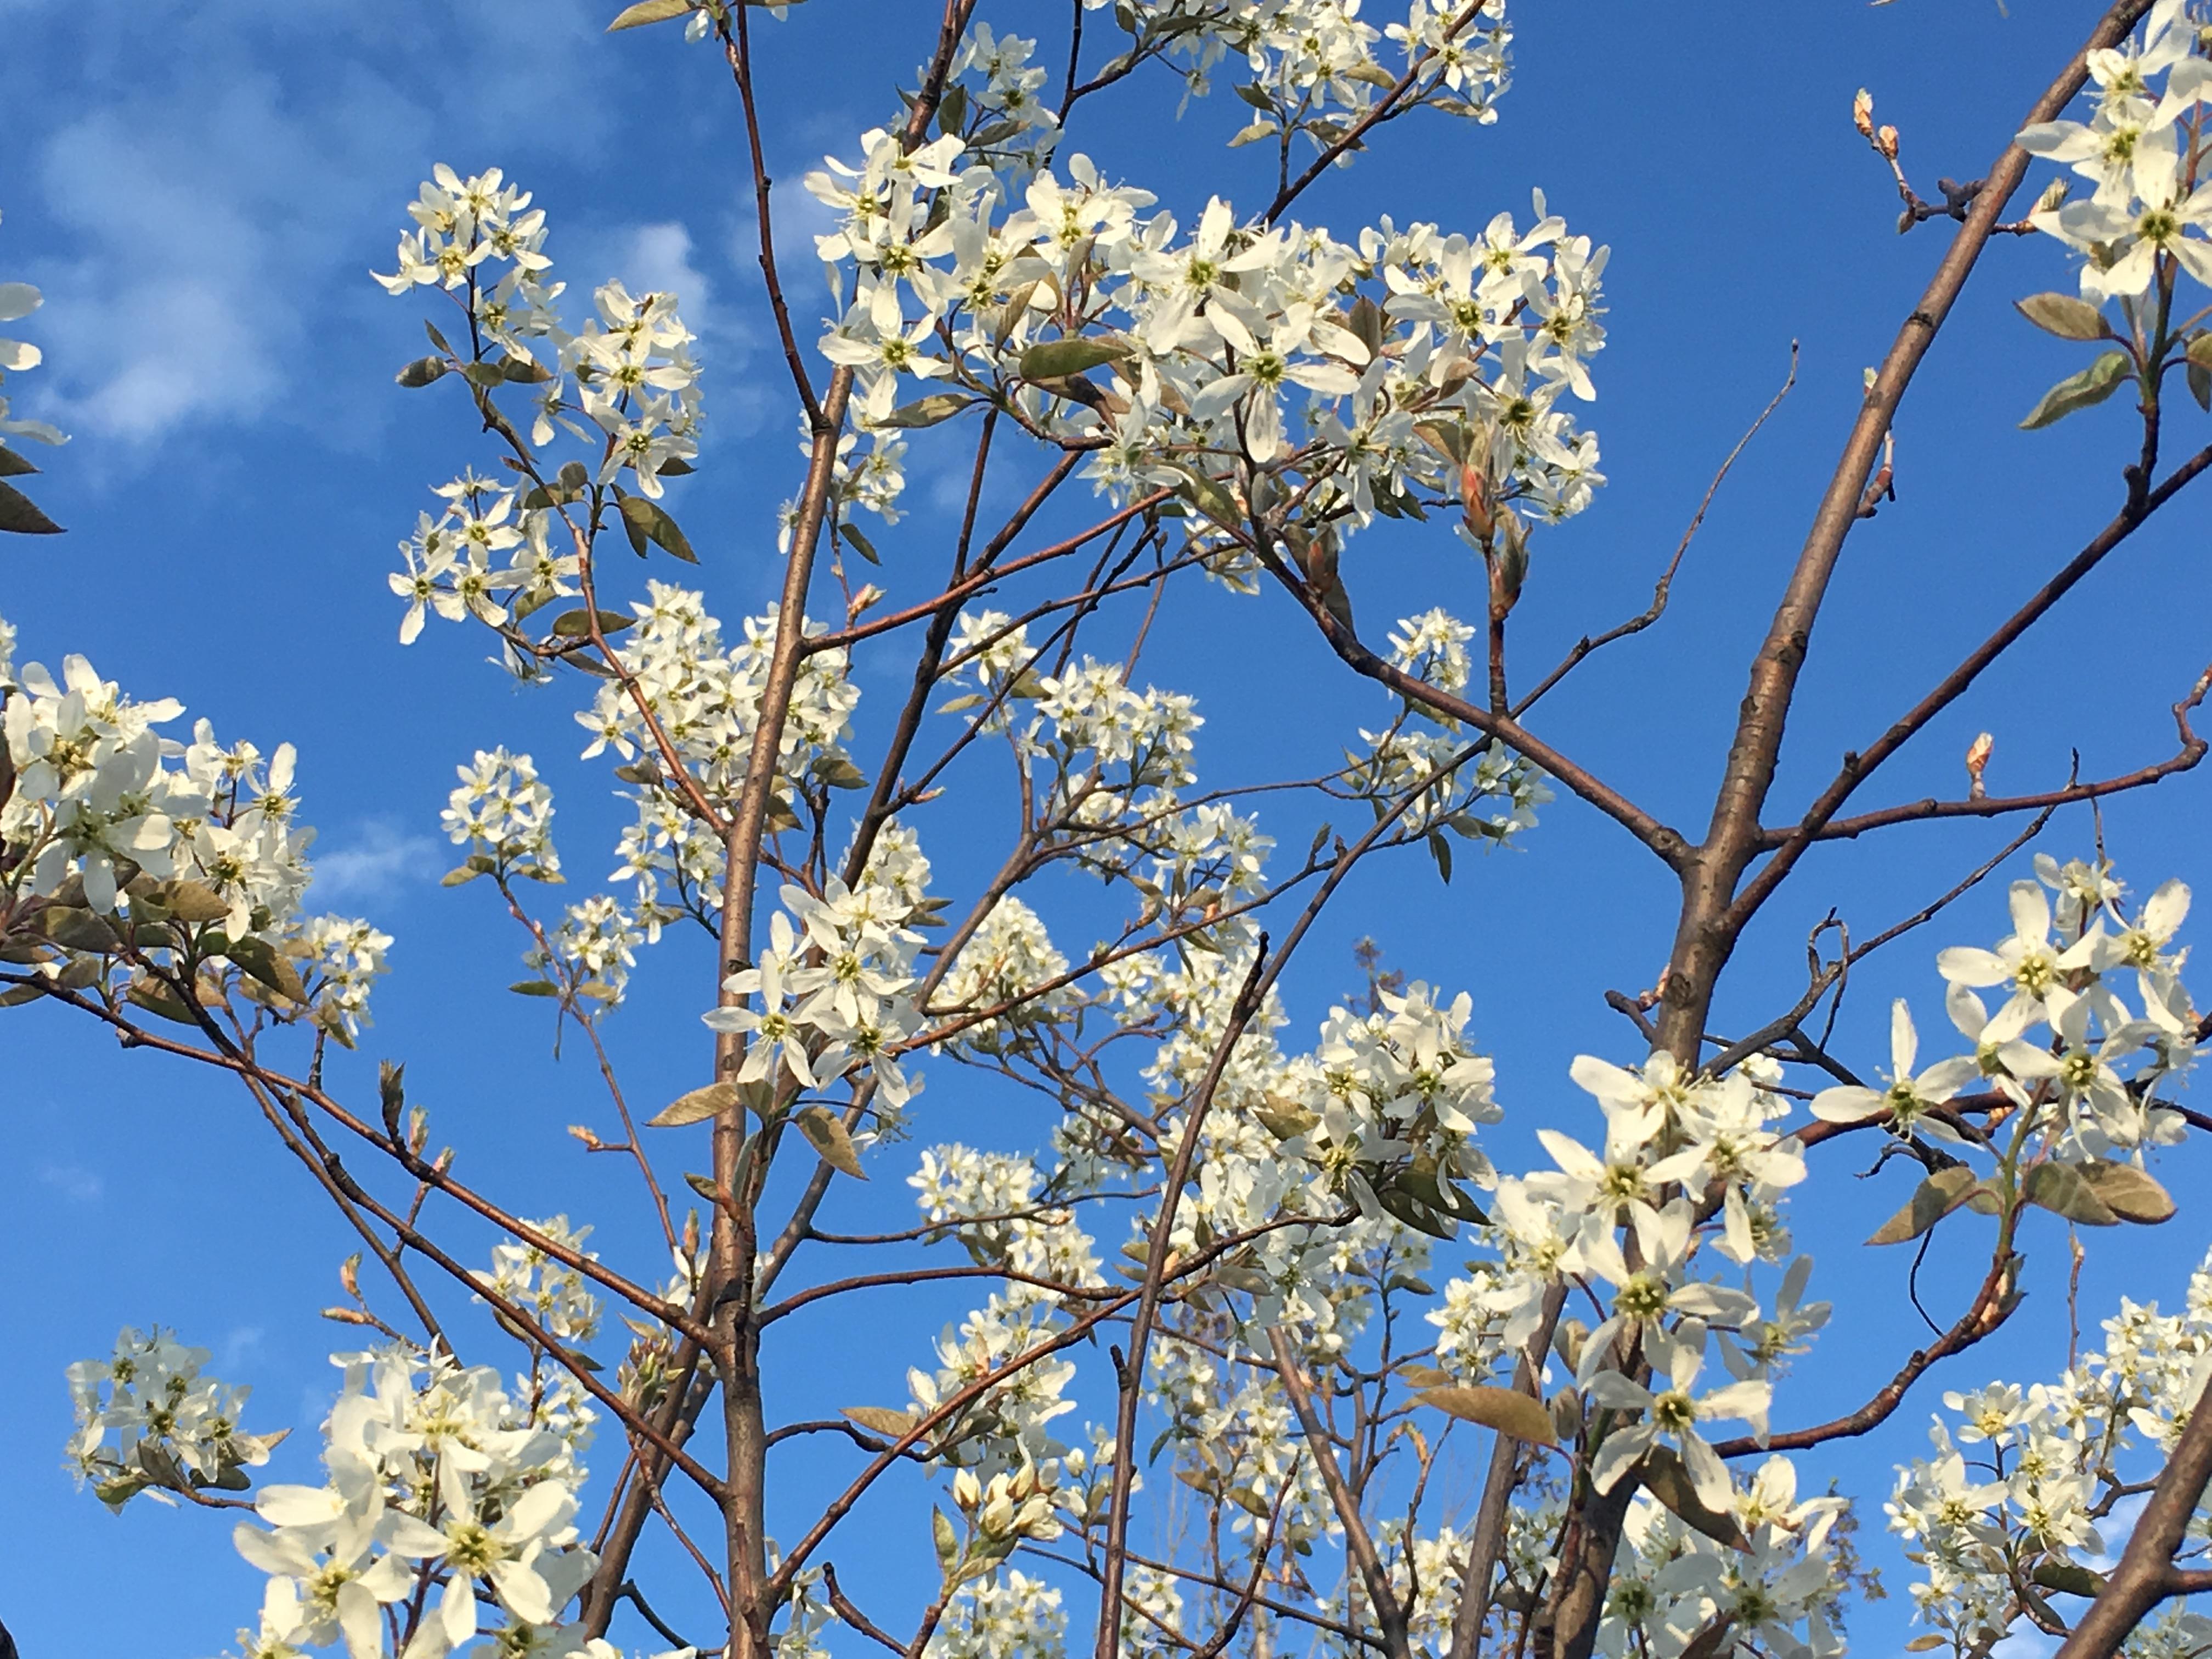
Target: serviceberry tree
(1251,1260)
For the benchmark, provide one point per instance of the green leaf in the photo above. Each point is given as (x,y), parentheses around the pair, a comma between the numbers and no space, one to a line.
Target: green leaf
(2067,315)
(12,464)
(260,960)
(645,519)
(524,371)
(75,928)
(460,876)
(1210,497)
(1053,358)
(2068,1578)
(535,987)
(422,371)
(1663,1476)
(1440,850)
(696,1106)
(577,624)
(704,1186)
(1935,1197)
(143,994)
(2129,1193)
(19,515)
(2091,385)
(1257,96)
(484,376)
(1506,1410)
(825,1132)
(2062,1190)
(648,11)
(194,901)
(946,1540)
(861,544)
(926,411)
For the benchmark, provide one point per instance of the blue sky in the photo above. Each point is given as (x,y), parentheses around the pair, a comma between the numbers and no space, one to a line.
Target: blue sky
(201,192)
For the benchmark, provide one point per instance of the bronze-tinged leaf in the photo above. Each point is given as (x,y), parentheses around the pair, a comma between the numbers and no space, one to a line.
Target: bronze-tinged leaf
(926,411)
(1663,1476)
(1506,1410)
(1055,359)
(76,929)
(825,1132)
(194,901)
(1935,1197)
(2067,315)
(13,464)
(648,11)
(2129,1193)
(2091,385)
(881,1420)
(2063,1189)
(422,371)
(1426,1376)
(695,1107)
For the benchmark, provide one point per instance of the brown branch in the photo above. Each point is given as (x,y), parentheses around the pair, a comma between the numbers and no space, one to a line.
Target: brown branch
(2146,1575)
(1200,1103)
(1357,1542)
(2191,752)
(1712,914)
(1588,645)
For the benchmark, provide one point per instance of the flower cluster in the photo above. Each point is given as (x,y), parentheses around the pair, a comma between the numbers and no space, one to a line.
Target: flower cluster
(550,1292)
(627,371)
(2064,1047)
(829,998)
(449,1502)
(2142,152)
(181,863)
(149,1420)
(503,814)
(2005,1509)
(1316,66)
(1248,367)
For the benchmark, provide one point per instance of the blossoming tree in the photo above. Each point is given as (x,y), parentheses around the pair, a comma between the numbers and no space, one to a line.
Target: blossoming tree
(1260,1265)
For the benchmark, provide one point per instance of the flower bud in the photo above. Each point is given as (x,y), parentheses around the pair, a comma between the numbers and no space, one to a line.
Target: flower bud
(1884,141)
(1862,114)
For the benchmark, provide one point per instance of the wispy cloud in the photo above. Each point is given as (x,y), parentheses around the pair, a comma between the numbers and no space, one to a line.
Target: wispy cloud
(73,1182)
(222,196)
(380,860)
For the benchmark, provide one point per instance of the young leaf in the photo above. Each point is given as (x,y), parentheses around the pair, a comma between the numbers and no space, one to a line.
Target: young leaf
(695,1107)
(926,411)
(883,1419)
(2129,1193)
(1053,359)
(825,1131)
(648,11)
(12,464)
(861,544)
(646,522)
(1506,1410)
(1935,1197)
(2062,1190)
(2066,315)
(194,901)
(1666,1480)
(2091,385)
(422,371)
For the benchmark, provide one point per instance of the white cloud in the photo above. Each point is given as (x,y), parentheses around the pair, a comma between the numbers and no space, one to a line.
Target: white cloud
(381,859)
(226,178)
(73,1182)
